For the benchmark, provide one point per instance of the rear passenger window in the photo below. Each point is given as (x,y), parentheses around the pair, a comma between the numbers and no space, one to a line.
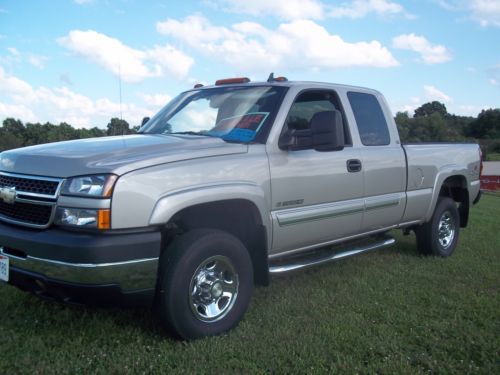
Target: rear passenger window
(370,119)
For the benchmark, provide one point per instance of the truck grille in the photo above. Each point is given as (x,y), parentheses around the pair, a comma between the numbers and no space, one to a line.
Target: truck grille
(34,202)
(28,185)
(36,214)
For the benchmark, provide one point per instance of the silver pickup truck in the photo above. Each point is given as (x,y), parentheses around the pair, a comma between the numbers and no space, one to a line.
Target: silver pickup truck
(225,186)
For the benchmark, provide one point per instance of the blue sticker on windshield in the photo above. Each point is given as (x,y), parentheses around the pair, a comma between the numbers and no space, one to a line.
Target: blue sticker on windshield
(242,128)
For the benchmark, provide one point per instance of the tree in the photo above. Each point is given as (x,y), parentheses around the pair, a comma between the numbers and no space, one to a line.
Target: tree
(403,122)
(428,109)
(118,127)
(12,134)
(486,126)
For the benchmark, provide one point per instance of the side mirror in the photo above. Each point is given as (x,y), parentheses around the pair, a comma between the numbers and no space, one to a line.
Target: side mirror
(295,139)
(144,121)
(326,133)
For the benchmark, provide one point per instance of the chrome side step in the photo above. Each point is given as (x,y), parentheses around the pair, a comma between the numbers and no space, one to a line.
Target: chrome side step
(305,263)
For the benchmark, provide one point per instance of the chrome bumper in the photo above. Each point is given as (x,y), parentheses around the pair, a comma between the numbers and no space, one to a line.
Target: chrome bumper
(133,275)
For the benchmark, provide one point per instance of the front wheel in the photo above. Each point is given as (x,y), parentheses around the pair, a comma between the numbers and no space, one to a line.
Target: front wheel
(439,236)
(205,285)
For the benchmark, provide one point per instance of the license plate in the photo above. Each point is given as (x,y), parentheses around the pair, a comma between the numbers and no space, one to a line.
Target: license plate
(4,268)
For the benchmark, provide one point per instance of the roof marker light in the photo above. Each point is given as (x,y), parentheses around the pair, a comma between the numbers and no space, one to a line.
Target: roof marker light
(229,81)
(271,78)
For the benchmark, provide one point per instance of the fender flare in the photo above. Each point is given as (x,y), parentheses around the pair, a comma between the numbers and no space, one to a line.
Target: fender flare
(175,201)
(444,173)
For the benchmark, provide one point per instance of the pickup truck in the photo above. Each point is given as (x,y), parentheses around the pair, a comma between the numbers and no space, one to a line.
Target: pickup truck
(227,185)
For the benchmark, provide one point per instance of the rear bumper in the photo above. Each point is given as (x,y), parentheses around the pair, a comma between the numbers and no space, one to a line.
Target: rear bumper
(83,267)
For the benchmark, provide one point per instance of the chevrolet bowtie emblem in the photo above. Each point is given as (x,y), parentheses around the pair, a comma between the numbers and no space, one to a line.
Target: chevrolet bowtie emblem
(8,194)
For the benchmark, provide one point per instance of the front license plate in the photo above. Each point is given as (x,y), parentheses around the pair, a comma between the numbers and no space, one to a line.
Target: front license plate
(4,268)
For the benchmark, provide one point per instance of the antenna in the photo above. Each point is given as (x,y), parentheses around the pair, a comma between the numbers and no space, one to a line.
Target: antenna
(120,86)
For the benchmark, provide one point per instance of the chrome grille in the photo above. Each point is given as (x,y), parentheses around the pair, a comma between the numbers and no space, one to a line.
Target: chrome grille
(35,199)
(39,186)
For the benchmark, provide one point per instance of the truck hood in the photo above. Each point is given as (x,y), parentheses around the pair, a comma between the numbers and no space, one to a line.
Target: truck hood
(117,155)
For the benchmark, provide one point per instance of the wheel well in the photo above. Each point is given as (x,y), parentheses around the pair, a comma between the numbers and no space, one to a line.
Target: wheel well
(239,217)
(455,187)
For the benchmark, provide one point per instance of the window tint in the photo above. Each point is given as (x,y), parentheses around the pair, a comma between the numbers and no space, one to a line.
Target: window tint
(310,102)
(369,118)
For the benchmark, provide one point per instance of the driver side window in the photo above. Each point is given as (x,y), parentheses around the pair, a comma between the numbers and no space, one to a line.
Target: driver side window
(307,104)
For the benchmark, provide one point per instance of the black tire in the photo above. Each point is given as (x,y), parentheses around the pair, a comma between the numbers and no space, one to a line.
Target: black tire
(195,307)
(439,236)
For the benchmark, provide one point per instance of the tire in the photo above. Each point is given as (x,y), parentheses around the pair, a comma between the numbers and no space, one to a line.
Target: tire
(205,284)
(439,236)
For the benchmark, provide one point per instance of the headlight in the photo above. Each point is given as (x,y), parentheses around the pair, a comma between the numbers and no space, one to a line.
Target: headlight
(83,218)
(98,186)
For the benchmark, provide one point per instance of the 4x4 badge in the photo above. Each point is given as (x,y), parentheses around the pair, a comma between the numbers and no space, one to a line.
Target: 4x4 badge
(8,194)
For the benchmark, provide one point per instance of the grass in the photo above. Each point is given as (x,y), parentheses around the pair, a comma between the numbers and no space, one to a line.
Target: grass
(391,311)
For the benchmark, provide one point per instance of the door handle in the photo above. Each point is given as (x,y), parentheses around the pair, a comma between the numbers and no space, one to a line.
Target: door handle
(354,165)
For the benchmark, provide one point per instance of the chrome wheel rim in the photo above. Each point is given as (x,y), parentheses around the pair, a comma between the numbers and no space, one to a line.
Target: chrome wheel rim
(446,230)
(213,289)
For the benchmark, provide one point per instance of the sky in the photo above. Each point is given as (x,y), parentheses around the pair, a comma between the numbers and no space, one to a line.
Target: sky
(86,61)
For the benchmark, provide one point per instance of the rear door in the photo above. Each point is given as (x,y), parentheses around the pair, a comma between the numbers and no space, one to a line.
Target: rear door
(383,161)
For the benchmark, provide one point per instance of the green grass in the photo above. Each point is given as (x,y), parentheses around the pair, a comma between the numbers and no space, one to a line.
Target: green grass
(492,157)
(391,311)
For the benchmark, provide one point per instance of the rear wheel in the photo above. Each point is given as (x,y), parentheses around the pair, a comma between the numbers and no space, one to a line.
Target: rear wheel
(205,285)
(439,236)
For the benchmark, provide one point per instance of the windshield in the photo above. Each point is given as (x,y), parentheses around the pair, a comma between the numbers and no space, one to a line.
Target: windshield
(236,114)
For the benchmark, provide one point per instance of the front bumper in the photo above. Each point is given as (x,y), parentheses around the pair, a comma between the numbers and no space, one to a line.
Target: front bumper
(83,267)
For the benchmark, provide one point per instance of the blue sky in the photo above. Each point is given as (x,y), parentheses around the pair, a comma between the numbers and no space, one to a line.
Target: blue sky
(60,60)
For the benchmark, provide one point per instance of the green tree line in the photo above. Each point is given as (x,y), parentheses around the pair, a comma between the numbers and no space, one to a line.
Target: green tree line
(14,134)
(430,122)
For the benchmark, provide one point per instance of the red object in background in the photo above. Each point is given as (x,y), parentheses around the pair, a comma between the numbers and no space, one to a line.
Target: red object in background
(490,182)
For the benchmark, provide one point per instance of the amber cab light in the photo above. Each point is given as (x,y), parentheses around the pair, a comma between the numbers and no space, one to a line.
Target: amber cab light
(229,81)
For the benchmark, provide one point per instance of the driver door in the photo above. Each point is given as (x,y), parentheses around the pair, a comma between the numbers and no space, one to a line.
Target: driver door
(316,197)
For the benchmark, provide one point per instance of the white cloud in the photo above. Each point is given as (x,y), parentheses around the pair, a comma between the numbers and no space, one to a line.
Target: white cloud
(17,111)
(37,61)
(470,109)
(132,64)
(83,2)
(170,60)
(310,9)
(16,88)
(251,47)
(485,12)
(361,8)
(62,105)
(432,93)
(430,53)
(494,73)
(13,51)
(155,100)
(286,9)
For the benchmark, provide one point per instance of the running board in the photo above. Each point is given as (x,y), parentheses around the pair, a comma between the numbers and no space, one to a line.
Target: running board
(305,263)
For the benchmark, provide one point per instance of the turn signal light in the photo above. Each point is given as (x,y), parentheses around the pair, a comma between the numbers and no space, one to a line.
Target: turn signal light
(104,219)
